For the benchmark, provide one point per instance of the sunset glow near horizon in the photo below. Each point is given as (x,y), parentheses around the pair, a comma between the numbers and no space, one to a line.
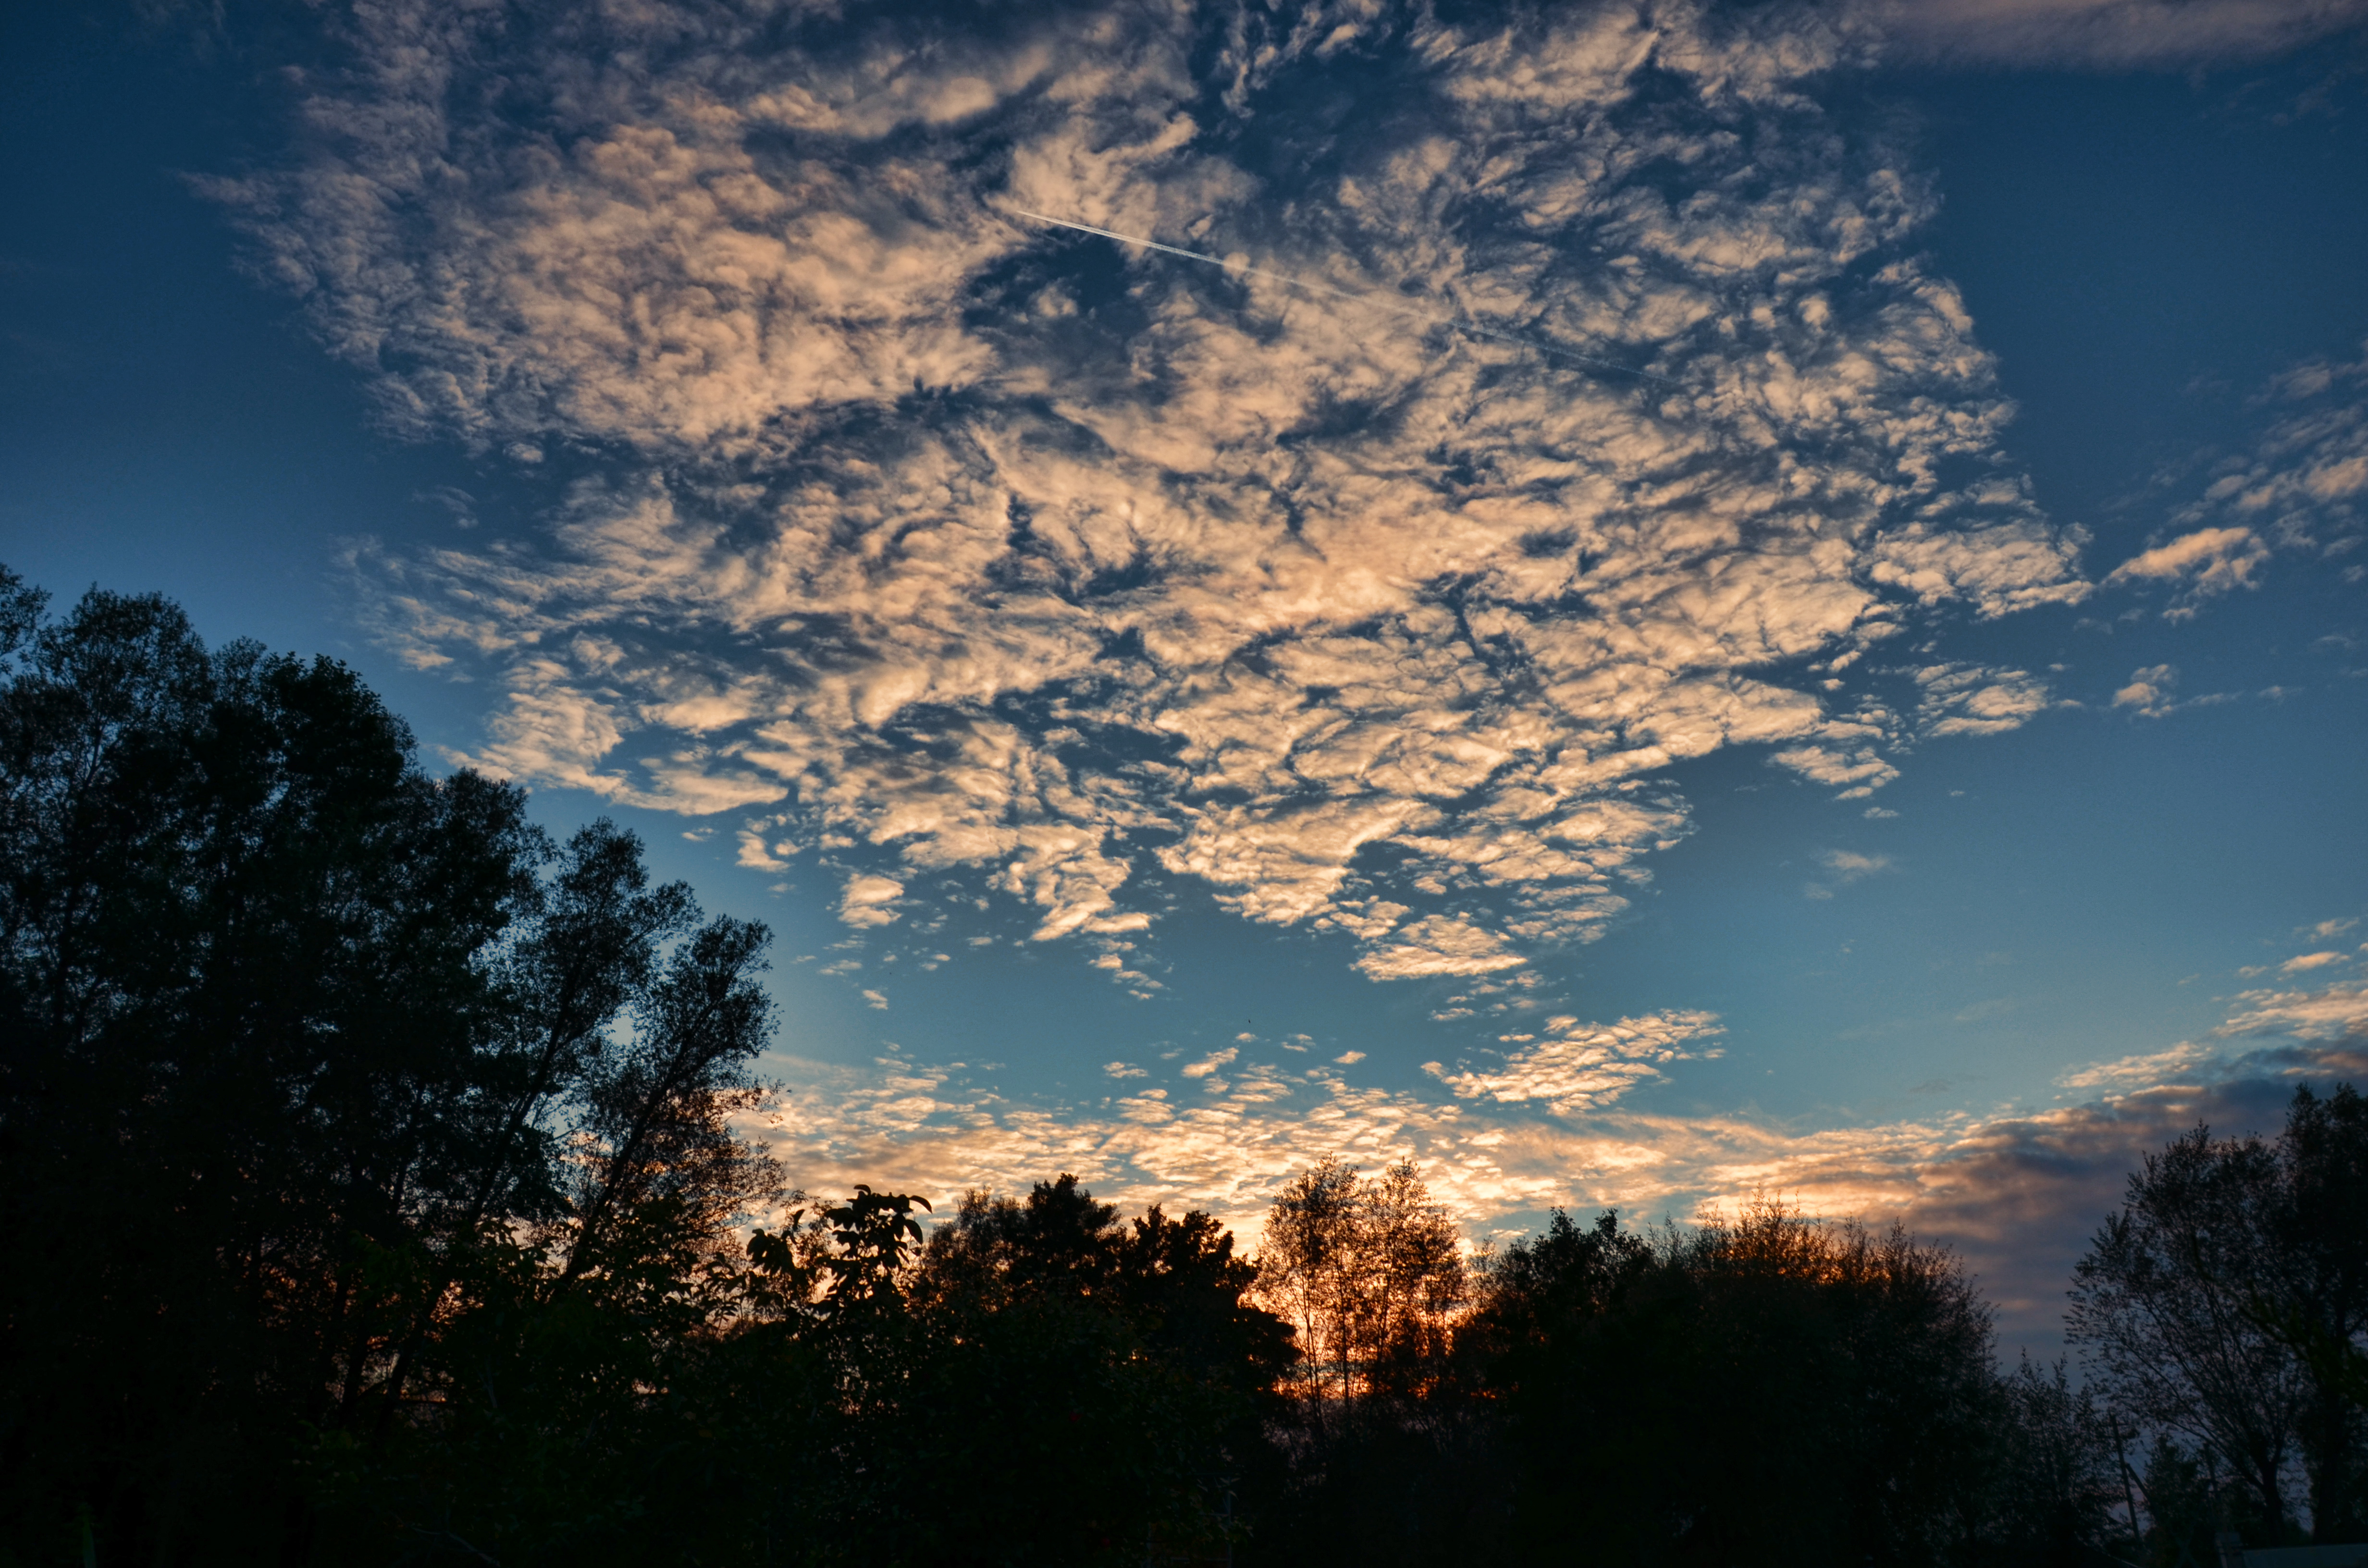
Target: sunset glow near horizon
(1642,604)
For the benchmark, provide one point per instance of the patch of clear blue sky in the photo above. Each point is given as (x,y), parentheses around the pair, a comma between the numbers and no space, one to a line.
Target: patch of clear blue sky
(2140,251)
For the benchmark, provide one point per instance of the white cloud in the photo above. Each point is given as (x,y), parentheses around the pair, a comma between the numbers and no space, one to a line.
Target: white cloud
(758,852)
(2301,961)
(869,900)
(2302,489)
(2185,1062)
(1850,865)
(1860,770)
(2205,563)
(1367,624)
(2149,690)
(2152,693)
(2338,1012)
(1440,944)
(1209,1063)
(1589,1065)
(2308,474)
(1976,699)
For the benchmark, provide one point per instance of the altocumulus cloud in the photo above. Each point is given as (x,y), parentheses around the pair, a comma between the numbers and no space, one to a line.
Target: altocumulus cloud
(948,544)
(2301,490)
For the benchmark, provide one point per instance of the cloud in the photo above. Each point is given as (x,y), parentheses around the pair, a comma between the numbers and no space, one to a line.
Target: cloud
(457,502)
(986,549)
(2205,563)
(1440,944)
(2337,1013)
(2179,1063)
(757,853)
(1589,1065)
(2018,1197)
(2150,693)
(1210,1063)
(1859,769)
(2149,690)
(2016,1192)
(2308,478)
(2302,489)
(1976,699)
(1850,865)
(869,900)
(1846,866)
(2109,34)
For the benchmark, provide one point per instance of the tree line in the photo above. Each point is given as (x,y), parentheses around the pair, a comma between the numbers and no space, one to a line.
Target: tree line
(370,1194)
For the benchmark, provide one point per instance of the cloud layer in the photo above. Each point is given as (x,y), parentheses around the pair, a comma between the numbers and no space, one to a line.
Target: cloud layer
(952,540)
(2109,34)
(2015,1191)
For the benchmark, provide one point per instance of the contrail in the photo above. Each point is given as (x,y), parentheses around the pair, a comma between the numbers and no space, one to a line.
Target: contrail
(1396,308)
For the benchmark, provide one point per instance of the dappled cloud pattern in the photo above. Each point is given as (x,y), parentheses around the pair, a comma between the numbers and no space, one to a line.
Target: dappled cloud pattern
(931,538)
(2301,490)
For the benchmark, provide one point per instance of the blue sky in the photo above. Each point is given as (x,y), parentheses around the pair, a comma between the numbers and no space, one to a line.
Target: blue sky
(1901,747)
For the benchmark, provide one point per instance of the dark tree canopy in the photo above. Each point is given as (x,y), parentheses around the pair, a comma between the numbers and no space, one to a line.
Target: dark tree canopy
(312,1063)
(370,1193)
(2223,1307)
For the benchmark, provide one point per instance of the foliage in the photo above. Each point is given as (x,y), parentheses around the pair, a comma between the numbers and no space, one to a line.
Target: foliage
(1770,1387)
(2223,1307)
(372,1194)
(1367,1271)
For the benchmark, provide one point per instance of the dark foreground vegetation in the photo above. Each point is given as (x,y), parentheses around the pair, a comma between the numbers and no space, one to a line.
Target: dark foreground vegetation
(369,1194)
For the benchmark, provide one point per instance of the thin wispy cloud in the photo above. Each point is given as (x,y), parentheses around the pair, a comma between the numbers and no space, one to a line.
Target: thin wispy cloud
(2152,693)
(2109,35)
(2338,1012)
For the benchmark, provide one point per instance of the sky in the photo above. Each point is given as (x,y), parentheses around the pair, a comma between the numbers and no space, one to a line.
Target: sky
(1638,603)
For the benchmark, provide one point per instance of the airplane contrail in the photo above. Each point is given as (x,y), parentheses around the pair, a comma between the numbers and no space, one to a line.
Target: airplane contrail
(1395,307)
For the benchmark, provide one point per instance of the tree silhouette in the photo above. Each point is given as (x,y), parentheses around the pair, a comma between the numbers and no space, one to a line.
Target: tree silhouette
(370,1195)
(1367,1271)
(2221,1304)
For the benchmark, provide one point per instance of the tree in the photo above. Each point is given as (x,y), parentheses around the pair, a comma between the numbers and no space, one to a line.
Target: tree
(2159,1310)
(2058,1478)
(359,1151)
(241,1003)
(1770,1388)
(1413,1277)
(1059,1387)
(2225,1300)
(2318,1312)
(1367,1271)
